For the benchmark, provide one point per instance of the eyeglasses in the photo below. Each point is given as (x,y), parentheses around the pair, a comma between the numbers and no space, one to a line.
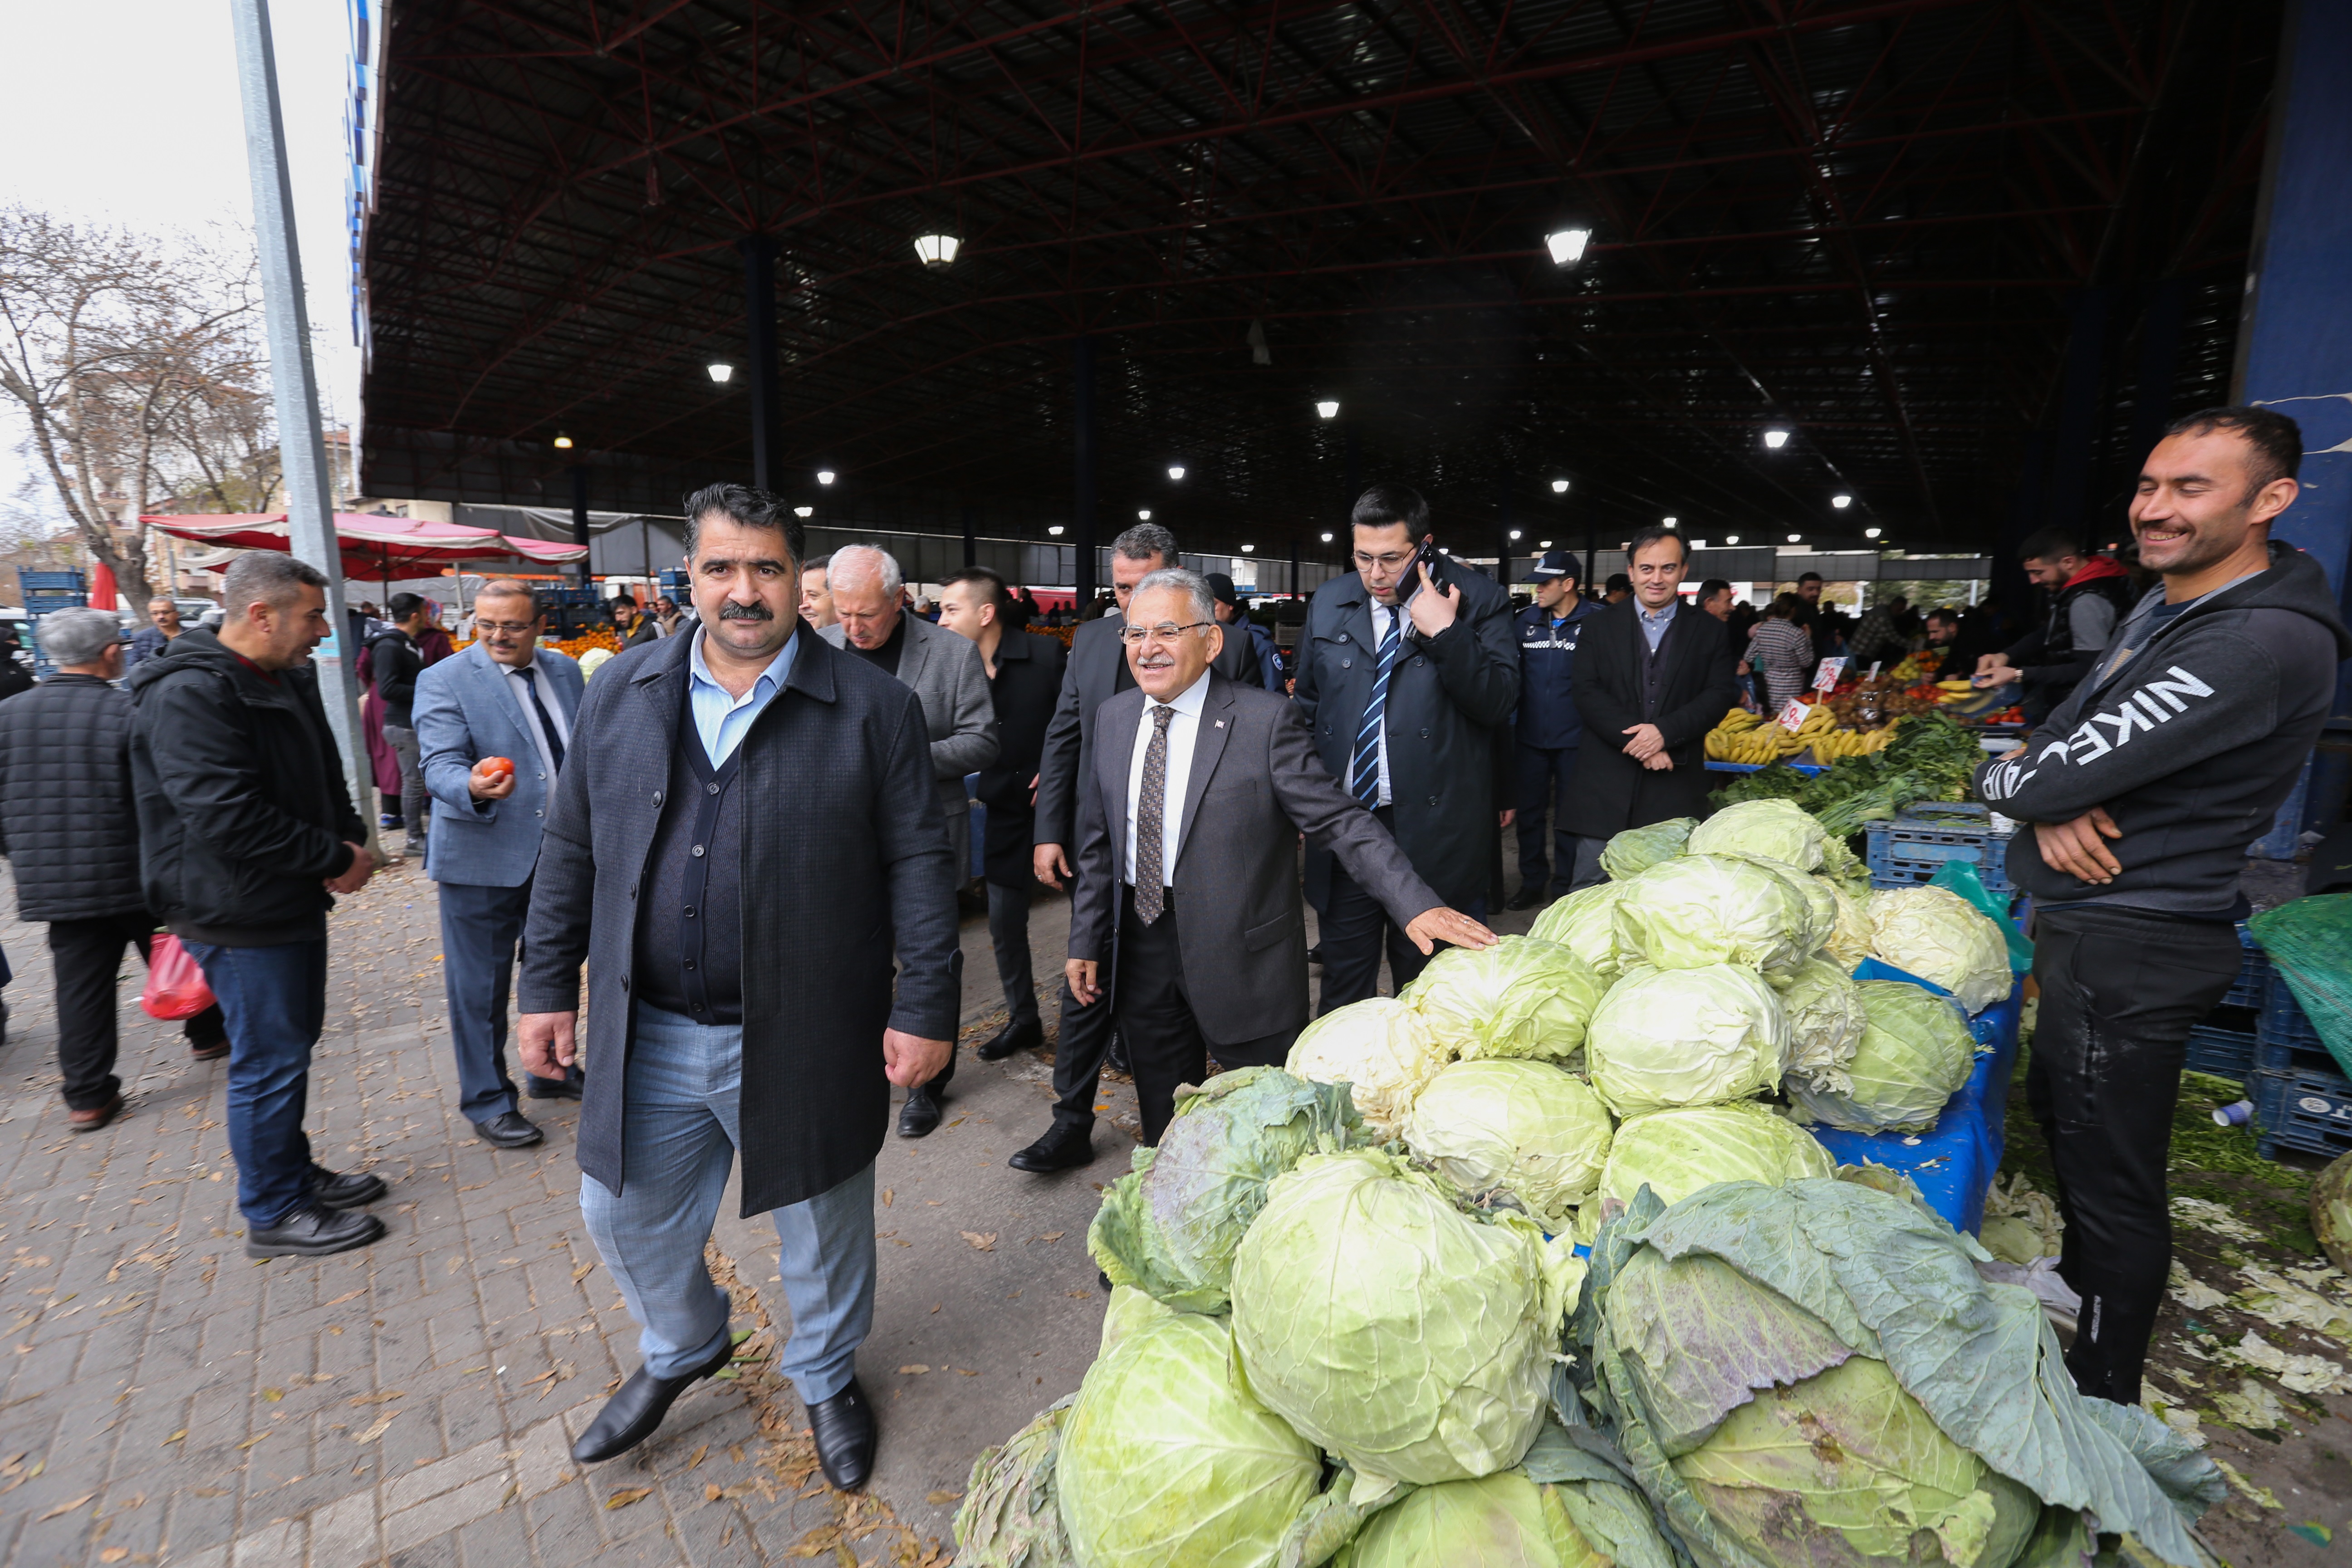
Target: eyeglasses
(1166,631)
(513,629)
(1391,562)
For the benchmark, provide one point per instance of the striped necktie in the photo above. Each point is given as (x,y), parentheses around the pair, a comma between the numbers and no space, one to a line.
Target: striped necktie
(1368,734)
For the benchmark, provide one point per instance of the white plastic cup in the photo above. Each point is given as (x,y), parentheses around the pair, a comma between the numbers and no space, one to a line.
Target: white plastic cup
(2236,1115)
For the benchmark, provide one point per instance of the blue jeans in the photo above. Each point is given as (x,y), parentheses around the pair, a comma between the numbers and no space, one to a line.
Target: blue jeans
(275,1000)
(677,1141)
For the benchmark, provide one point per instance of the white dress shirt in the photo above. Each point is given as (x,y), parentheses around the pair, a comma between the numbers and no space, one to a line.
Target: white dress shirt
(1382,615)
(521,689)
(1182,730)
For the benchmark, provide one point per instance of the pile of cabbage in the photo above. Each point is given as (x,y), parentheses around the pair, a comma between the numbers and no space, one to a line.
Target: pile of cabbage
(1536,1264)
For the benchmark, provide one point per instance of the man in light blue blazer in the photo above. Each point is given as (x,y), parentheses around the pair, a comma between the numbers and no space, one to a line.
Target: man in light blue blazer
(504,699)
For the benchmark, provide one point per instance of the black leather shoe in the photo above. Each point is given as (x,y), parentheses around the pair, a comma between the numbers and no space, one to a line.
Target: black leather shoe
(1012,1037)
(553,1088)
(209,1050)
(635,1411)
(1115,1059)
(921,1114)
(508,1130)
(1526,899)
(1065,1148)
(1314,956)
(844,1429)
(313,1232)
(355,1189)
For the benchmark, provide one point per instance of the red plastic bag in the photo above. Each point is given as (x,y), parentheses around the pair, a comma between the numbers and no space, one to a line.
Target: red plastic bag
(175,982)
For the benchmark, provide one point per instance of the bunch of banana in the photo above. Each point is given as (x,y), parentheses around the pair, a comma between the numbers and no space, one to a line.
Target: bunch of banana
(1728,742)
(1953,690)
(1837,744)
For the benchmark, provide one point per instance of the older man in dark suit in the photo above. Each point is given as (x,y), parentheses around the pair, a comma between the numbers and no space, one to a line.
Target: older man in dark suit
(1187,835)
(1654,675)
(1098,671)
(745,830)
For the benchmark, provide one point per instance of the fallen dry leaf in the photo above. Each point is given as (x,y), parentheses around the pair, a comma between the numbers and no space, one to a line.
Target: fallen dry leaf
(173,1437)
(913,1369)
(257,1437)
(888,1193)
(376,1429)
(273,1394)
(626,1495)
(961,1371)
(114,1554)
(698,1454)
(582,1272)
(980,1243)
(347,1296)
(710,1493)
(1053,1235)
(69,1507)
(936,1499)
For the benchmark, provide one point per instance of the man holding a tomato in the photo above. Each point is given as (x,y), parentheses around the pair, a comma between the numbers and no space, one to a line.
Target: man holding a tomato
(493,724)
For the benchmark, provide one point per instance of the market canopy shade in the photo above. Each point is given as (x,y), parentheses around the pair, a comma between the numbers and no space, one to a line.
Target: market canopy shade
(381,547)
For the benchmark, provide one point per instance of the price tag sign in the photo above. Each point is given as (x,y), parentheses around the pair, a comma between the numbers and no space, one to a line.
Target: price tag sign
(1874,668)
(1832,669)
(1792,717)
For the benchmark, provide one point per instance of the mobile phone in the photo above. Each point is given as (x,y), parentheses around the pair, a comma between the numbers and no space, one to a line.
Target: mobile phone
(1425,569)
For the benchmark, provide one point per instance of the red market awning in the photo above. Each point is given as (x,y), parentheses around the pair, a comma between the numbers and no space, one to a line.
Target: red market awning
(376,548)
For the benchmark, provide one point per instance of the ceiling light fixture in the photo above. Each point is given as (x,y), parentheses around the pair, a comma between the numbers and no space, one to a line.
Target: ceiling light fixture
(804,512)
(1731,539)
(1326,539)
(1328,408)
(1870,533)
(937,249)
(1796,539)
(824,476)
(1559,486)
(1775,439)
(1515,534)
(720,370)
(1671,520)
(1247,548)
(562,442)
(1567,244)
(1055,530)
(1175,470)
(1840,501)
(1143,514)
(1543,544)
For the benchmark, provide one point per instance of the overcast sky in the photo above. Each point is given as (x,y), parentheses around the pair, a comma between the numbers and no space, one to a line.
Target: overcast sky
(125,113)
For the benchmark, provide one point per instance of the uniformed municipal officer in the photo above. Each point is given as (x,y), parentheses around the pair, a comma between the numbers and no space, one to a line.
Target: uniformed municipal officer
(1548,725)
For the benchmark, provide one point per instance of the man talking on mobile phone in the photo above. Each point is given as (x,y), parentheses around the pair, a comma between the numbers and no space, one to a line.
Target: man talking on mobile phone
(1409,687)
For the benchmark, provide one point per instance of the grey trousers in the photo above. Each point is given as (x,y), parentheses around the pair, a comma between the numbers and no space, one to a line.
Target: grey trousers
(1008,932)
(416,805)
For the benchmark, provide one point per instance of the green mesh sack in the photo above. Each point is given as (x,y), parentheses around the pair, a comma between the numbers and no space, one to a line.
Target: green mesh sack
(2310,944)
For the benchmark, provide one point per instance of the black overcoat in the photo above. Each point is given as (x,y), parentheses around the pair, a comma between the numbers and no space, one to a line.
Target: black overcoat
(844,861)
(1611,791)
(1027,682)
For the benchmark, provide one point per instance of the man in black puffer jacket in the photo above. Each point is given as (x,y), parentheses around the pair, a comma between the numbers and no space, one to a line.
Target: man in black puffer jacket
(245,831)
(71,834)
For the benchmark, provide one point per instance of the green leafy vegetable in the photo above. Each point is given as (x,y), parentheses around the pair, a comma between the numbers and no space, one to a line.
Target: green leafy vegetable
(1912,1058)
(1713,908)
(1171,1224)
(1380,1047)
(1774,830)
(1011,1517)
(1825,1021)
(1585,923)
(1521,997)
(1524,1128)
(1502,1521)
(1676,1152)
(1635,850)
(1685,1037)
(1939,936)
(1167,1458)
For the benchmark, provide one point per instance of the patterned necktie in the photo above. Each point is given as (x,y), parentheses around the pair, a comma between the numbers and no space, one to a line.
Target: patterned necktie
(1150,871)
(1368,734)
(546,719)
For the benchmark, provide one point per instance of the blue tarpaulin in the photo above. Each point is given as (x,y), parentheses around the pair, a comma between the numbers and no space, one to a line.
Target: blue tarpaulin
(1954,1164)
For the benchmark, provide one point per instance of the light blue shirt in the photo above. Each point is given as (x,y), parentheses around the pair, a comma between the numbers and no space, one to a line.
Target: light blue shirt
(721,720)
(1654,624)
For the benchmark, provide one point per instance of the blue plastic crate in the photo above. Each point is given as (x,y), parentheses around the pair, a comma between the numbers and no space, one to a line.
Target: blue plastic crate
(1913,847)
(2307,1110)
(2254,975)
(50,582)
(2224,1053)
(2283,1022)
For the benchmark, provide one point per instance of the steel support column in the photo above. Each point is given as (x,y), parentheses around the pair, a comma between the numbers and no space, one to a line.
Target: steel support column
(2160,369)
(1082,486)
(580,519)
(294,384)
(2079,413)
(760,344)
(971,534)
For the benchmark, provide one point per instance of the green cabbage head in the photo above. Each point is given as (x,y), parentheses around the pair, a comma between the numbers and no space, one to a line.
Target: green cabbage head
(1838,1464)
(1167,1459)
(1713,908)
(1503,1521)
(1939,936)
(1817,907)
(1685,1037)
(1169,1225)
(1521,997)
(1526,1128)
(1776,829)
(1629,854)
(1849,941)
(1914,1056)
(1411,1339)
(1825,1021)
(1676,1152)
(1585,923)
(1380,1047)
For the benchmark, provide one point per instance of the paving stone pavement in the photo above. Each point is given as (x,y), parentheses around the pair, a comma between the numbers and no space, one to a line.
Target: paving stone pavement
(163,1399)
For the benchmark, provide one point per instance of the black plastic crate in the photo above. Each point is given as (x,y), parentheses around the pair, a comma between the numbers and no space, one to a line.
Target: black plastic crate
(2224,1053)
(2307,1110)
(1913,847)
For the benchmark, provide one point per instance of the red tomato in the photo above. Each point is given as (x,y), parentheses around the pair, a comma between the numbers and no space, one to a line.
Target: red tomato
(498,767)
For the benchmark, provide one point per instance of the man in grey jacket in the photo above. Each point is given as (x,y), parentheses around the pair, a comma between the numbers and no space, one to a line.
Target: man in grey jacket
(2144,789)
(1188,833)
(869,597)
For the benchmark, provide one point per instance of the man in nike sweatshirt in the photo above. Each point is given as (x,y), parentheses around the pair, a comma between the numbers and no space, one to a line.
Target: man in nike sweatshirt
(2144,789)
